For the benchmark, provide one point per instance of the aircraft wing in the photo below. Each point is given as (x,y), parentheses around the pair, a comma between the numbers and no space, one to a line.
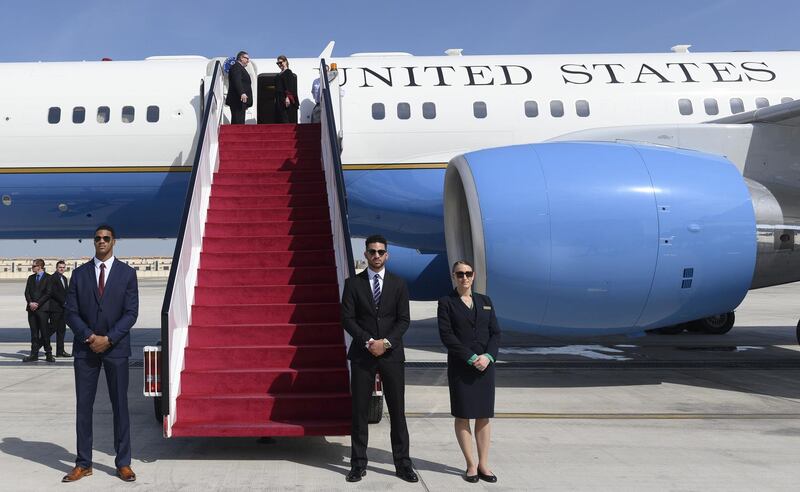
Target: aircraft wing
(786,114)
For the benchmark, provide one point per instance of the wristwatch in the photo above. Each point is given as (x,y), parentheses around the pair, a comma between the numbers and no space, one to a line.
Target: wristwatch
(386,344)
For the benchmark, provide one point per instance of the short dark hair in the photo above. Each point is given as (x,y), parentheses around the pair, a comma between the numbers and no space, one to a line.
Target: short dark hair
(39,262)
(240,54)
(376,238)
(463,262)
(61,262)
(106,227)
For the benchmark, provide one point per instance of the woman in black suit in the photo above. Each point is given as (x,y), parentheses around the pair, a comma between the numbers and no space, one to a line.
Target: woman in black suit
(286,102)
(468,328)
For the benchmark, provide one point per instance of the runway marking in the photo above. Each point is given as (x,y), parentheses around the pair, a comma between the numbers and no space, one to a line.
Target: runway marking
(624,416)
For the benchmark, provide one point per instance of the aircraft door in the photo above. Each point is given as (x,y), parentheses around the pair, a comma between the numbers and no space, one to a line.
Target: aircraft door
(266,97)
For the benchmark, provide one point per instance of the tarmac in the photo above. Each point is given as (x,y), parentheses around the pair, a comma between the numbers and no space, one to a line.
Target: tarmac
(679,413)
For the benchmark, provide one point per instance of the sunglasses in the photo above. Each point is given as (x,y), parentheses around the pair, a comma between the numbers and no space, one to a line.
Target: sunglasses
(464,274)
(106,239)
(380,252)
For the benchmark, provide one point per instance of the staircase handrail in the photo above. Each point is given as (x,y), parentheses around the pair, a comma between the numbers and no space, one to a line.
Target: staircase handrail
(332,163)
(179,295)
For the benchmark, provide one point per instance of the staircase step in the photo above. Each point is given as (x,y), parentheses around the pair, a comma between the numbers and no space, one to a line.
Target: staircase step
(257,408)
(203,314)
(266,244)
(268,294)
(284,428)
(267,381)
(322,257)
(266,357)
(268,163)
(272,228)
(277,201)
(270,147)
(271,129)
(214,277)
(227,154)
(268,189)
(259,214)
(277,334)
(262,177)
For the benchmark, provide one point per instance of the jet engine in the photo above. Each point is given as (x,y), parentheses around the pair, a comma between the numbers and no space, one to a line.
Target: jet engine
(601,238)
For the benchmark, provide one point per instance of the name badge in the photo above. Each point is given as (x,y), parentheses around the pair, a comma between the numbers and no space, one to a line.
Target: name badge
(487,308)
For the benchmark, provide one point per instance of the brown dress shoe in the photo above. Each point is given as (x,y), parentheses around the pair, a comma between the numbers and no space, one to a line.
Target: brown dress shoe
(125,473)
(77,473)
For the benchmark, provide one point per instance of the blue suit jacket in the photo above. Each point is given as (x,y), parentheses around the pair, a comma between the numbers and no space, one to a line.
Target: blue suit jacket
(112,315)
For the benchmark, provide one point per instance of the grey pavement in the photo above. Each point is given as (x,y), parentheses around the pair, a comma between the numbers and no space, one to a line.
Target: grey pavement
(685,412)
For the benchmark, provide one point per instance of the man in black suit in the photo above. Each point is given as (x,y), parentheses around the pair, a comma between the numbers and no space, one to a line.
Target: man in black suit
(59,284)
(37,299)
(240,89)
(375,313)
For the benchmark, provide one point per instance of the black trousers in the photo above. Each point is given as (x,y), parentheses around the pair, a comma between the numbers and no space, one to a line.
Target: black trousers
(40,332)
(362,382)
(59,327)
(237,115)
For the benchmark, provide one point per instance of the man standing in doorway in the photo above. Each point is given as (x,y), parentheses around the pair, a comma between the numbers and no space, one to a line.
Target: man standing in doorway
(59,284)
(375,312)
(102,307)
(240,89)
(37,299)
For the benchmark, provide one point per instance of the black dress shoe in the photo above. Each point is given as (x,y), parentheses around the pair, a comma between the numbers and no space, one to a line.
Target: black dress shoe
(63,354)
(407,474)
(470,478)
(356,473)
(487,478)
(50,358)
(30,358)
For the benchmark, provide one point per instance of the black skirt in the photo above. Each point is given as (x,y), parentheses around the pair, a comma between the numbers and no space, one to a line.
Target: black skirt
(471,391)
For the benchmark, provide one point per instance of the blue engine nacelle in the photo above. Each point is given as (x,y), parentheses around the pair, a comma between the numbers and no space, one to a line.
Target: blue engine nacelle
(601,238)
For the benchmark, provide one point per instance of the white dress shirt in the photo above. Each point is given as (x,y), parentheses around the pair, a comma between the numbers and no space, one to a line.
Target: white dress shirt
(97,264)
(380,275)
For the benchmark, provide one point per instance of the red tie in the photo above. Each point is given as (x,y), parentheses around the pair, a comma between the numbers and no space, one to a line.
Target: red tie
(101,286)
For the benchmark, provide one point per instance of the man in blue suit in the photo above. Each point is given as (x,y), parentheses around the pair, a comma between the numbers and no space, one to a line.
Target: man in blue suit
(102,307)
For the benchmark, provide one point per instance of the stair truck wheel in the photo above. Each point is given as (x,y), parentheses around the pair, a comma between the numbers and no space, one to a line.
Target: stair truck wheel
(157,410)
(716,325)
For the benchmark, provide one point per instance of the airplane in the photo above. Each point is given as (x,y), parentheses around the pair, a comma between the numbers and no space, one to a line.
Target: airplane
(596,193)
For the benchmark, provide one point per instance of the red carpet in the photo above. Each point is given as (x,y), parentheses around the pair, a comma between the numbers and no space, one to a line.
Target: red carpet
(266,354)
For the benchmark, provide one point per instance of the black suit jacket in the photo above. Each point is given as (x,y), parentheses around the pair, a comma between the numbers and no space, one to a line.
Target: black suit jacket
(37,292)
(238,84)
(465,331)
(58,294)
(362,321)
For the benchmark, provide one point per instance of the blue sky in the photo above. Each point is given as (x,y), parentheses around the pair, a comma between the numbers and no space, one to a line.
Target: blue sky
(58,30)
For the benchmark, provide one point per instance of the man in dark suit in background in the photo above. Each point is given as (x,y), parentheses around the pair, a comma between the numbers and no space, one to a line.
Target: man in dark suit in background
(240,88)
(102,307)
(375,313)
(59,284)
(37,298)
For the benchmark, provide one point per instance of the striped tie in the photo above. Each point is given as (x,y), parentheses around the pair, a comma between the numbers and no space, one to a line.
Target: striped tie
(376,290)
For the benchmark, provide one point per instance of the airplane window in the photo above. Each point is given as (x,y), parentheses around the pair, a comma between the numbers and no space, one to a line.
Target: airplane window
(762,102)
(54,115)
(152,114)
(78,114)
(128,113)
(711,106)
(479,109)
(531,109)
(403,111)
(103,114)
(556,108)
(378,111)
(737,106)
(685,106)
(582,108)
(428,110)
(785,100)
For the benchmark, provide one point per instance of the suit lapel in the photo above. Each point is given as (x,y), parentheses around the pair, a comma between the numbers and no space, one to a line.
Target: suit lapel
(91,279)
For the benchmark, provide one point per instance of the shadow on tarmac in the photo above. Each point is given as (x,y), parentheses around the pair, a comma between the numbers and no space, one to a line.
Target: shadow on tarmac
(46,454)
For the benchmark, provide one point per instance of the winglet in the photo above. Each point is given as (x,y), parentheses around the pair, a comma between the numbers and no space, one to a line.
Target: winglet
(326,53)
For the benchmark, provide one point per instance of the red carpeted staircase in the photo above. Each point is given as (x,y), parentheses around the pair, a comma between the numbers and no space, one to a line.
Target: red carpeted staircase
(266,354)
